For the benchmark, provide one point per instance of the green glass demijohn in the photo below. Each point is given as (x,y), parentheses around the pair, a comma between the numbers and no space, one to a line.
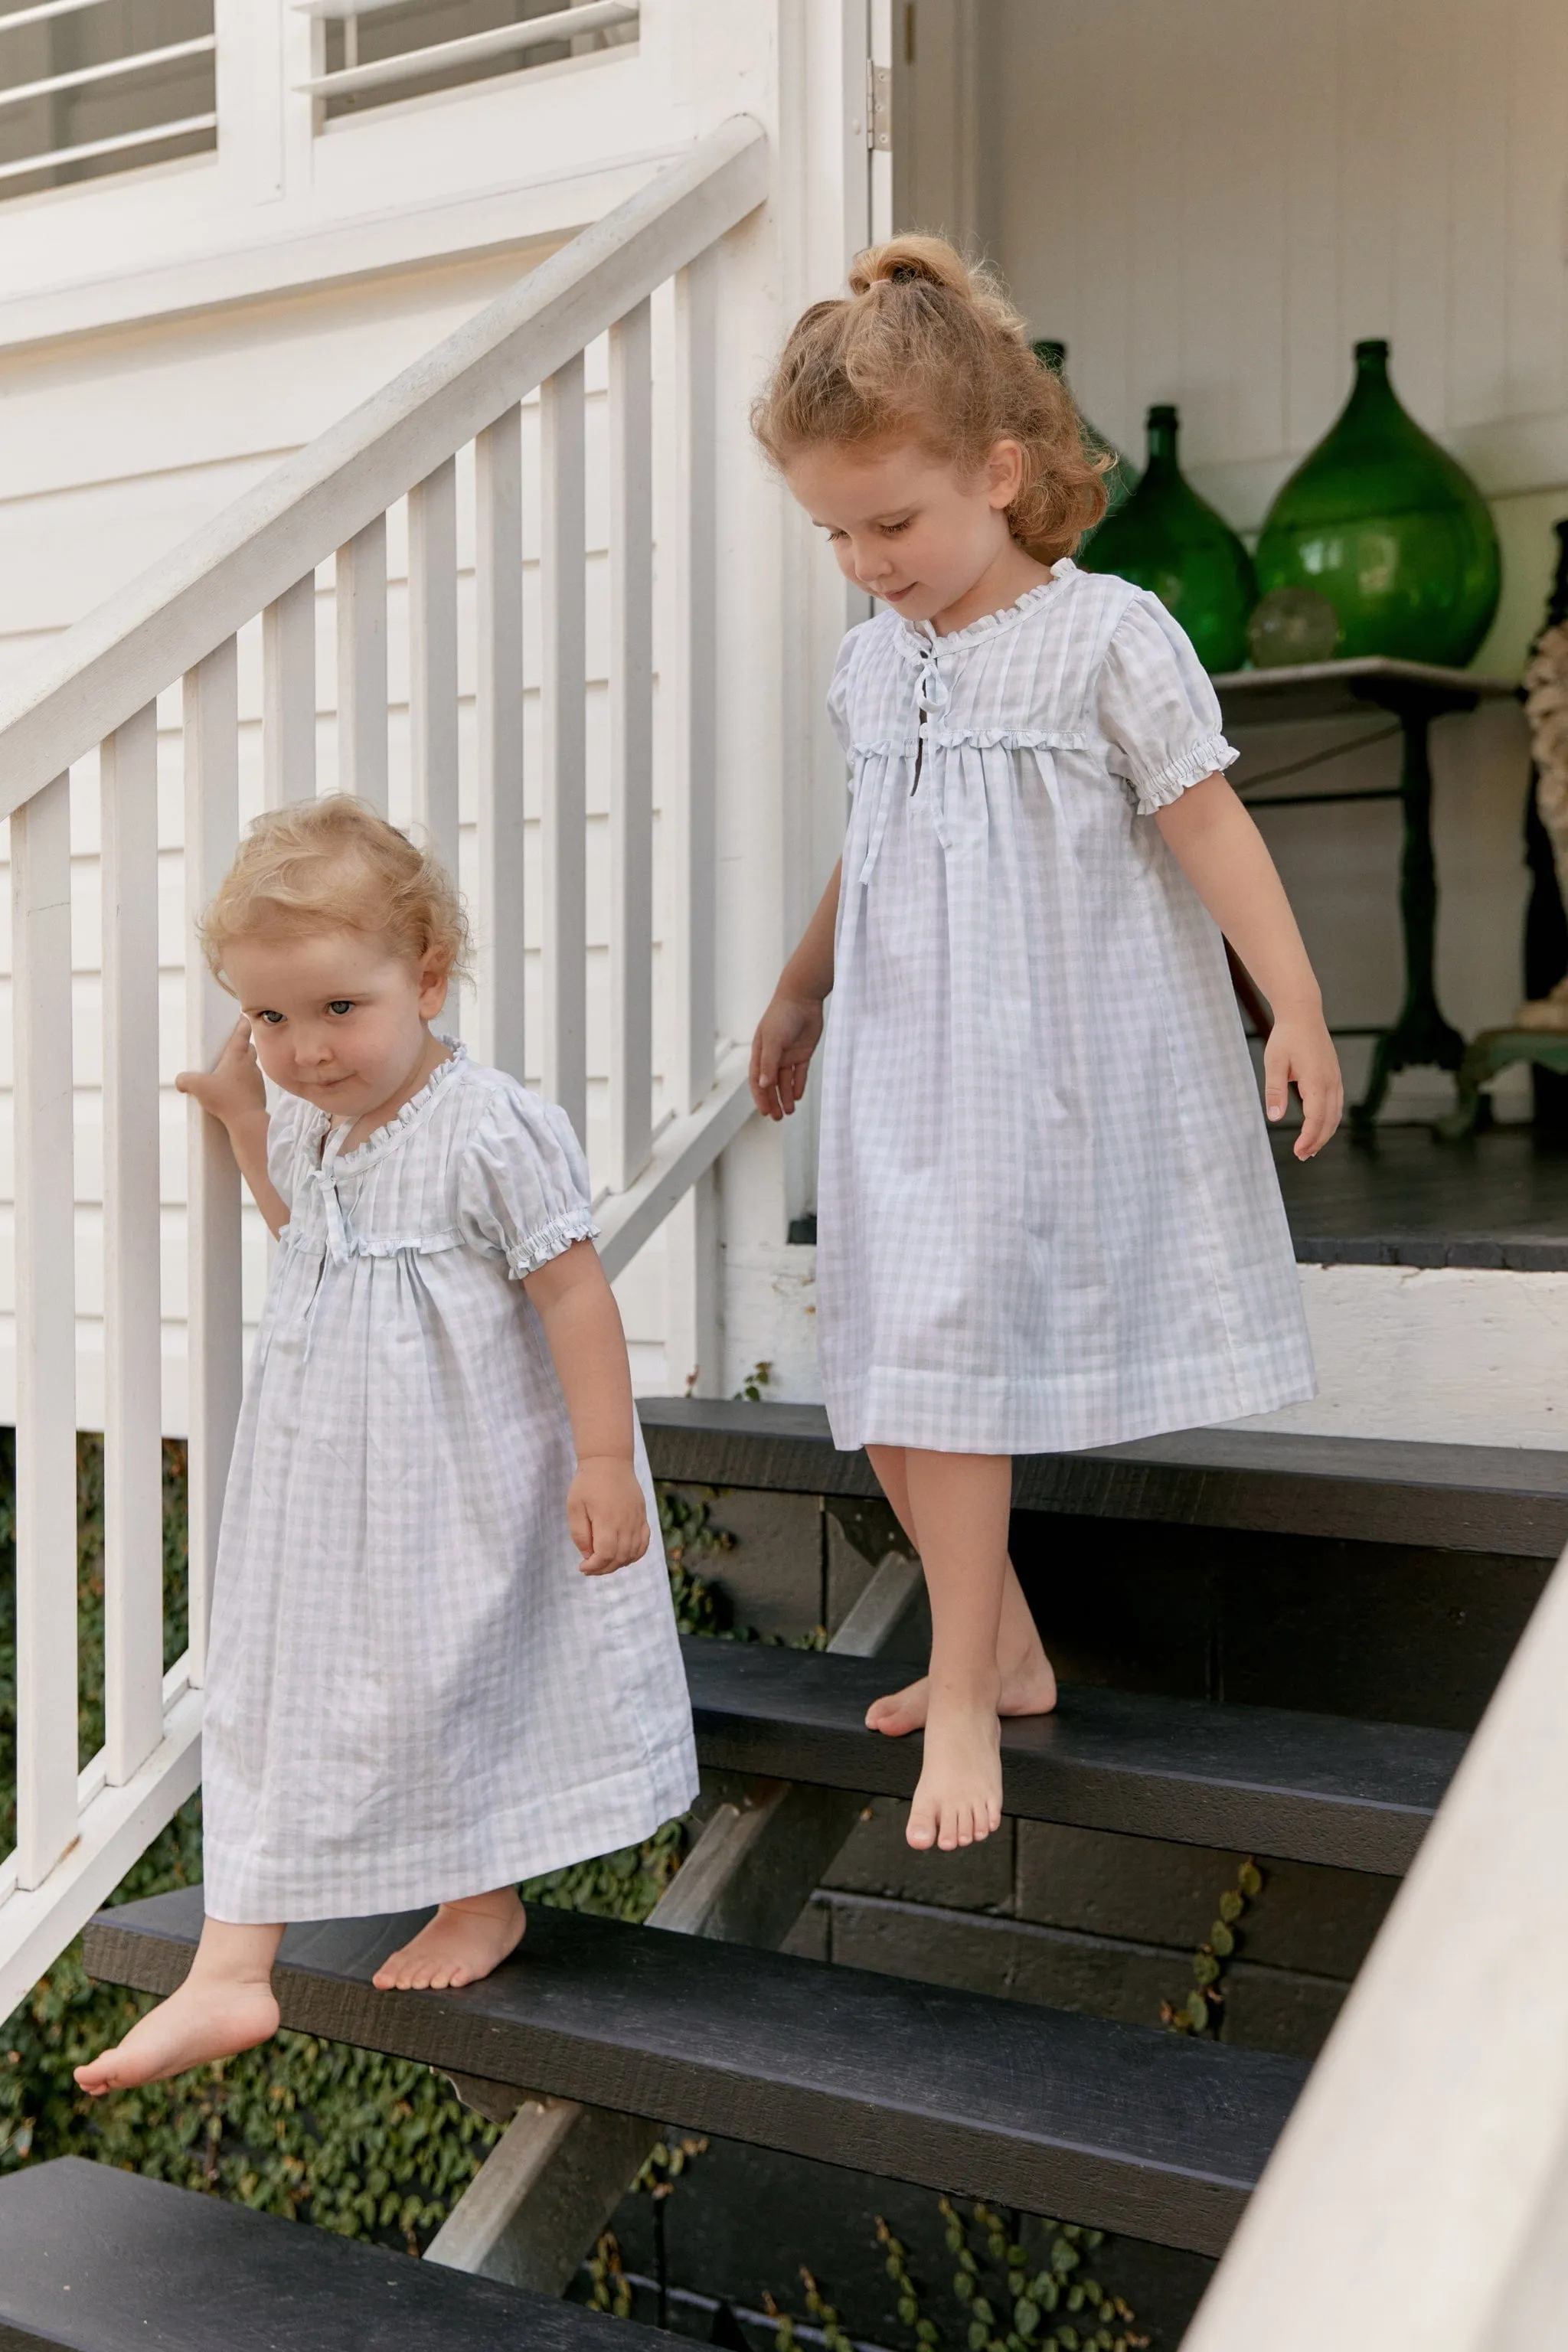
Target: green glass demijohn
(1121,474)
(1384,524)
(1168,539)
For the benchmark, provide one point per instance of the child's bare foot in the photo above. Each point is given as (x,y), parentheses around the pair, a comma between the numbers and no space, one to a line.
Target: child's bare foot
(958,1798)
(209,2017)
(463,1943)
(1028,1687)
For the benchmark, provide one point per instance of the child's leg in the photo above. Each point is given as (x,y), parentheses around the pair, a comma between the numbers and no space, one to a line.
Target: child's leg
(958,1505)
(1028,1686)
(225,2005)
(465,1941)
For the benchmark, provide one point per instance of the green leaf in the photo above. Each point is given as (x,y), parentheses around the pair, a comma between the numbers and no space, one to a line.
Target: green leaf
(1025,2316)
(983,2311)
(1249,1879)
(909,2310)
(964,2286)
(927,2332)
(1205,1968)
(1231,1905)
(978,2335)
(1223,1941)
(1197,2012)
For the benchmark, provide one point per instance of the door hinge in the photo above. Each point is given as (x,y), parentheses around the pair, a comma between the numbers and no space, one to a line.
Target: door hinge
(879,105)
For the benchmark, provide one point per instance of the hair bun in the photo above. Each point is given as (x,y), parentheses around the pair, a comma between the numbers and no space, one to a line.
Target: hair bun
(911,261)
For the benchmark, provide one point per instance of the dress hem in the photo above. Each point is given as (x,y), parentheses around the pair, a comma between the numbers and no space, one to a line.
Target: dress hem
(446,1878)
(937,1415)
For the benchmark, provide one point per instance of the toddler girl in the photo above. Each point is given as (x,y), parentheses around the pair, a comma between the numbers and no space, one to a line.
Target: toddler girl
(413,1697)
(1048,1213)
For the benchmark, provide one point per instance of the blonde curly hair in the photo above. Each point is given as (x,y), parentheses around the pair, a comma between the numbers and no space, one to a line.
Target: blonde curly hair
(925,348)
(334,864)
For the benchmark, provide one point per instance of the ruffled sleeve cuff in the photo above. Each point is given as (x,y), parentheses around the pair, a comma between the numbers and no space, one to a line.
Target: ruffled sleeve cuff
(1160,786)
(526,1256)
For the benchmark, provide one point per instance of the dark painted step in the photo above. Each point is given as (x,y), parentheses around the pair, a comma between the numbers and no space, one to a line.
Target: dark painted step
(104,2261)
(1120,2126)
(1492,1498)
(1310,1788)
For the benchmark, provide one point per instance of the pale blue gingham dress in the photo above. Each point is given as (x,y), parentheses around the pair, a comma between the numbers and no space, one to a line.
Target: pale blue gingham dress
(414,1693)
(1047,1212)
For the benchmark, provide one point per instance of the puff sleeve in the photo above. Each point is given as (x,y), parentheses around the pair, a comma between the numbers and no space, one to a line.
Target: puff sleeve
(522,1189)
(1158,710)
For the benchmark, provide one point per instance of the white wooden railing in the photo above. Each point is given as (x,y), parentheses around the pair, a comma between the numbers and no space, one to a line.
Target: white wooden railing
(178,628)
(35,93)
(401,65)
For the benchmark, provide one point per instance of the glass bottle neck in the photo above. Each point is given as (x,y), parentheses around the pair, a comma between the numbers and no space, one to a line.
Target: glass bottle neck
(1162,429)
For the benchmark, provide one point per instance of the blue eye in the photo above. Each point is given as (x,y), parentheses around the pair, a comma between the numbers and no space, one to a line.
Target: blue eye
(341,1004)
(271,1019)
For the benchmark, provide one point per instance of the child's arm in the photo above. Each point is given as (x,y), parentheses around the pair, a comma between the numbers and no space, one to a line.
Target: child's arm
(788,1032)
(233,1091)
(605,1506)
(1222,853)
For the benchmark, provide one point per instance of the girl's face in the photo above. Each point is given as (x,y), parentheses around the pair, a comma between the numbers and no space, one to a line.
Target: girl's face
(931,543)
(334,1016)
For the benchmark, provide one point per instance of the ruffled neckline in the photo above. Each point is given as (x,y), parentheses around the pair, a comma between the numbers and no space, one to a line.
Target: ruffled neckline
(991,625)
(383,1139)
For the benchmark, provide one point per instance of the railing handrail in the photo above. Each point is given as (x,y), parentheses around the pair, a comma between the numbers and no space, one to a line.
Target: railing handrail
(109,664)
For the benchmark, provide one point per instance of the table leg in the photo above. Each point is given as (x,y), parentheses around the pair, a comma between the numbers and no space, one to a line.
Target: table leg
(1420,1037)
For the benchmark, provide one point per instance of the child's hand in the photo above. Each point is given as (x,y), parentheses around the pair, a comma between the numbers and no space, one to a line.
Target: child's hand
(233,1089)
(1302,1049)
(781,1053)
(606,1513)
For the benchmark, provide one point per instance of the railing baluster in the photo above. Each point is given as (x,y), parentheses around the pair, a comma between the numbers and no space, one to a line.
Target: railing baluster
(631,746)
(46,1335)
(563,696)
(133,1338)
(498,582)
(689,936)
(433,658)
(361,664)
(288,695)
(211,1196)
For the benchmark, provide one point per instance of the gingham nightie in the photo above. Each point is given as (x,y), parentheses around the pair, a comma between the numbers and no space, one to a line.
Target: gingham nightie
(1047,1212)
(414,1693)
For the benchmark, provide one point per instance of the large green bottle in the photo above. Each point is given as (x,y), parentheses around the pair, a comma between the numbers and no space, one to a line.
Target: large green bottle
(1168,539)
(1385,525)
(1122,475)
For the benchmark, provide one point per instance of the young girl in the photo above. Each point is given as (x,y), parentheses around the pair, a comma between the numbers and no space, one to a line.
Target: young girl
(414,1696)
(1047,1212)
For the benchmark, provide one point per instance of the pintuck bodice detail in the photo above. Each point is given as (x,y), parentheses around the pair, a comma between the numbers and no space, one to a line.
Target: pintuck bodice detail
(414,1693)
(1048,1213)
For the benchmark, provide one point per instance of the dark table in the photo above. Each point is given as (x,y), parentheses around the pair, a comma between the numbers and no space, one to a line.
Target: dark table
(1416,693)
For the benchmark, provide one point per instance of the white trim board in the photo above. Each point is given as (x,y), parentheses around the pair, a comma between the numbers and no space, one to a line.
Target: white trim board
(540,213)
(1451,1355)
